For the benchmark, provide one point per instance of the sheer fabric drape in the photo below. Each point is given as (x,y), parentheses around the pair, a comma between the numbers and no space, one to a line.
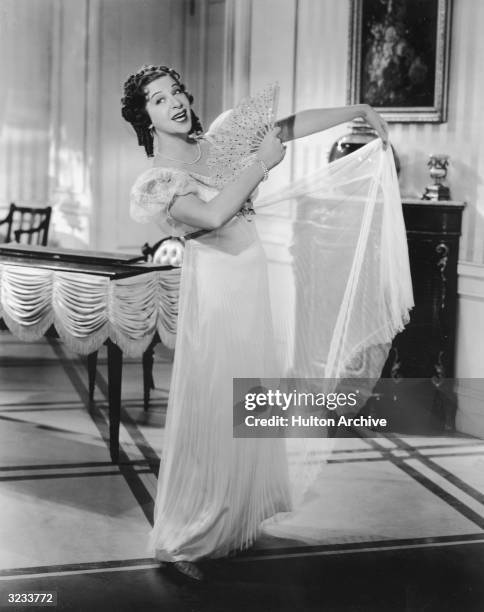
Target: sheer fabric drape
(340,282)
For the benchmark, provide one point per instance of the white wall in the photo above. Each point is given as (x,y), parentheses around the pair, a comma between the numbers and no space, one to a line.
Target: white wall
(130,34)
(64,141)
(470,350)
(25,66)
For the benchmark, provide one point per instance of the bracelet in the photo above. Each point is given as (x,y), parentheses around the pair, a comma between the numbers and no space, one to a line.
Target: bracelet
(265,169)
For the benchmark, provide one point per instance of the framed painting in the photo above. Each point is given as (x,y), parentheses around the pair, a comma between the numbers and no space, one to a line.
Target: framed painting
(399,58)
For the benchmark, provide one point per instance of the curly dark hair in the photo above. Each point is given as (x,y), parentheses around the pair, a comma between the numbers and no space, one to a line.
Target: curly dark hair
(133,103)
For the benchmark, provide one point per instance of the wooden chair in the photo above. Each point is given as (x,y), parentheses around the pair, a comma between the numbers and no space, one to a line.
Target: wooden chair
(27,225)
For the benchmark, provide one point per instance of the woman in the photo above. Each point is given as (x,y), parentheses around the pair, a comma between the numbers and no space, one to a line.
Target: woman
(214,491)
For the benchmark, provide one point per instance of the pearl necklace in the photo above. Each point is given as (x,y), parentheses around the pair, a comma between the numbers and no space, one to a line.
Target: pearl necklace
(181,161)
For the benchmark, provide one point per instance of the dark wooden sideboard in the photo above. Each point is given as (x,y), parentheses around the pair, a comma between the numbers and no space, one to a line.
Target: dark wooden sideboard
(416,389)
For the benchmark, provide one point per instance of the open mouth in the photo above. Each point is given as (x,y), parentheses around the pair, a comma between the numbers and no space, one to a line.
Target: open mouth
(180,117)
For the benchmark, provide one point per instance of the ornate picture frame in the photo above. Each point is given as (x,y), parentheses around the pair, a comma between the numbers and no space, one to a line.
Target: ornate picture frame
(399,58)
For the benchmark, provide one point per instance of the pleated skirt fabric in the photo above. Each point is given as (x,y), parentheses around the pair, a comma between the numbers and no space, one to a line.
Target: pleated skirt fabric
(214,491)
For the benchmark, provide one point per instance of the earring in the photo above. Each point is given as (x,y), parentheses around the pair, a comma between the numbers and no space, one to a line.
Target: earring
(155,140)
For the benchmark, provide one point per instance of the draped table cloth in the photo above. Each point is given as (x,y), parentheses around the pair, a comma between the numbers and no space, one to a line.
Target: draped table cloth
(90,299)
(88,309)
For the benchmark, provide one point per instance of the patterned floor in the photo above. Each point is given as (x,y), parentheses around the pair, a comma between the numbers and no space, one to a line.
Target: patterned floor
(71,519)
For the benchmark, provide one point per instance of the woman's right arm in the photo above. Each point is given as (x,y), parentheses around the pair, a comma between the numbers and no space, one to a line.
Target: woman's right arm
(211,215)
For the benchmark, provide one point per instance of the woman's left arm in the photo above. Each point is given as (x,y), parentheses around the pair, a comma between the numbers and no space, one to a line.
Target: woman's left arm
(316,120)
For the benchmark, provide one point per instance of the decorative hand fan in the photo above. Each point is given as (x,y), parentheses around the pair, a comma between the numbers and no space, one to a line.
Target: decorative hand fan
(237,139)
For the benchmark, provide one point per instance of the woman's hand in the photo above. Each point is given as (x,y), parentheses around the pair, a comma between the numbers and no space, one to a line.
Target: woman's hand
(377,123)
(271,150)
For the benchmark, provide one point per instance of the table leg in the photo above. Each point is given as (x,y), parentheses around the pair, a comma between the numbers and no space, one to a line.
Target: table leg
(148,382)
(115,370)
(91,372)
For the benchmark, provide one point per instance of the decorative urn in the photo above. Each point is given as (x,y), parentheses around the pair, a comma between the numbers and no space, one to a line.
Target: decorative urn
(438,164)
(359,135)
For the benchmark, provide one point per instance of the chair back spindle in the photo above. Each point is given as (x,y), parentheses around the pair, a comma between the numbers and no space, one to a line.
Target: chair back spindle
(27,225)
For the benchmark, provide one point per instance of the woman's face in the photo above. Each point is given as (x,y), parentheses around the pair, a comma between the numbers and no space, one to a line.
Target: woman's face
(168,106)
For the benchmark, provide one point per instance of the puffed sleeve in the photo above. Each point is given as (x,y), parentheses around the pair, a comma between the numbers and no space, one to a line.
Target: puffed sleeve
(153,195)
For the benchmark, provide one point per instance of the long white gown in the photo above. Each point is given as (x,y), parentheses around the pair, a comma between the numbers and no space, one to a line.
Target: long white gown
(214,491)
